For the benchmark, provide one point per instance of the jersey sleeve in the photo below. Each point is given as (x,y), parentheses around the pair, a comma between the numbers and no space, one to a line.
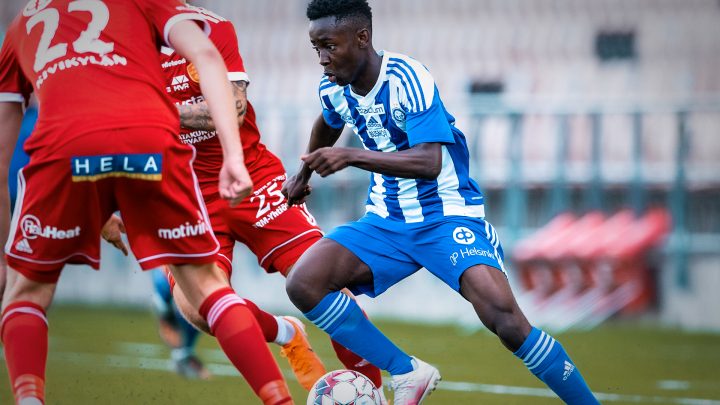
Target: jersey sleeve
(163,14)
(224,37)
(14,87)
(426,120)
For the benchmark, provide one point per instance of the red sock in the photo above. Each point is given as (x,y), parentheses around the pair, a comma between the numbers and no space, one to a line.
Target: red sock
(25,336)
(354,362)
(240,337)
(266,320)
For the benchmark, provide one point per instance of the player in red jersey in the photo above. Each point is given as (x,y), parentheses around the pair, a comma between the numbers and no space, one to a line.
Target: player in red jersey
(277,234)
(105,141)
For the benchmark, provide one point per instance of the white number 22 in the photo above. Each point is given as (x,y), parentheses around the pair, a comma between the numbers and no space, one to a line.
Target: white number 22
(88,41)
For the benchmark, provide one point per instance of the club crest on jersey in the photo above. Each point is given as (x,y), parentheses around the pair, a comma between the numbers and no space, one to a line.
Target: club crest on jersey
(33,7)
(192,73)
(142,166)
(398,115)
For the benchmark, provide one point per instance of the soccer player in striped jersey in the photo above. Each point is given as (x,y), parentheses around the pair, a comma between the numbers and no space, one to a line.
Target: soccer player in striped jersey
(422,210)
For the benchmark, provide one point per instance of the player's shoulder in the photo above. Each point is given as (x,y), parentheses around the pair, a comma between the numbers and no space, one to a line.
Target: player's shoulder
(218,24)
(406,67)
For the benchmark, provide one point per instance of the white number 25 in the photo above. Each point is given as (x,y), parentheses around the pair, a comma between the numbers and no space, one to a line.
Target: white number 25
(88,41)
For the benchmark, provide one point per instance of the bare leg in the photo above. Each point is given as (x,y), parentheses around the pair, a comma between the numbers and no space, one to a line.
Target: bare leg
(488,290)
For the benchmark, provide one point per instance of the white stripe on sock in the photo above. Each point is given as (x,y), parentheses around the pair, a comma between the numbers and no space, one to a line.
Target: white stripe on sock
(531,353)
(329,312)
(540,351)
(345,303)
(25,310)
(221,306)
(549,349)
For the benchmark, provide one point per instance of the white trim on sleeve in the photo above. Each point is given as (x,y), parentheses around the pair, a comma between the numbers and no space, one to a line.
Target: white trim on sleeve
(181,17)
(238,76)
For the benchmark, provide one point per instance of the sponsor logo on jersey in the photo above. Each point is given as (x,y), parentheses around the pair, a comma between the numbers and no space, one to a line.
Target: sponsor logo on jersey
(142,166)
(463,235)
(31,228)
(197,136)
(178,83)
(373,109)
(171,63)
(184,230)
(375,128)
(192,100)
(193,73)
(468,252)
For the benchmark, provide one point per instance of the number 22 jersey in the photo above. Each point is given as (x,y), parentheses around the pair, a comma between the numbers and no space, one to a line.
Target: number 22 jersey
(53,47)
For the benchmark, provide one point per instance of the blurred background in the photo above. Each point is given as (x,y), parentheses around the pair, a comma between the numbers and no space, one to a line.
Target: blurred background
(594,131)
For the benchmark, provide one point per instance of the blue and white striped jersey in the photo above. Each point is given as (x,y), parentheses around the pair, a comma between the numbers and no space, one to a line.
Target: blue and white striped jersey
(402,110)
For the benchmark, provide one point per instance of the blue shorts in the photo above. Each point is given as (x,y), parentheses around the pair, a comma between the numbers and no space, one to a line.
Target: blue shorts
(395,250)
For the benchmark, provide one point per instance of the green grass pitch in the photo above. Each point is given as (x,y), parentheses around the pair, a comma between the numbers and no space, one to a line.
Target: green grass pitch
(113,356)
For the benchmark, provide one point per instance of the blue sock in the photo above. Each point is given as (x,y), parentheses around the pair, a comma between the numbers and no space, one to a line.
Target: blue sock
(546,358)
(340,317)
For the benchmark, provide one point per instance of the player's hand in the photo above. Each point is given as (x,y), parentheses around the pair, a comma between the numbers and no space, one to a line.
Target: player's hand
(235,183)
(326,161)
(112,232)
(296,190)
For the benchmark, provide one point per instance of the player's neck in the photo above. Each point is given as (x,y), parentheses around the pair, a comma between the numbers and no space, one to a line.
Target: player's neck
(369,75)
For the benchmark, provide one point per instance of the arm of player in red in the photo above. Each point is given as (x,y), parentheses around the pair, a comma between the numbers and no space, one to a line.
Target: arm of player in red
(190,42)
(112,233)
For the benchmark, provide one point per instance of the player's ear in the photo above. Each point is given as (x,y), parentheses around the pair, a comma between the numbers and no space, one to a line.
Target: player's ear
(363,37)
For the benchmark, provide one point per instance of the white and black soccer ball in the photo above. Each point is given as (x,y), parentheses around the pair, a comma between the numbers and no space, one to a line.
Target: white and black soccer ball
(343,387)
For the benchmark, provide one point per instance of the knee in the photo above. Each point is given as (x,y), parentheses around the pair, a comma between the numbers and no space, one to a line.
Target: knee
(301,289)
(512,329)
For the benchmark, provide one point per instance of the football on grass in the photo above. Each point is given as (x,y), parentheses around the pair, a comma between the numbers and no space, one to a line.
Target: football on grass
(343,387)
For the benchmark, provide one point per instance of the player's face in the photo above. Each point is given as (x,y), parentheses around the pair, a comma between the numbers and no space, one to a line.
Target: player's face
(338,49)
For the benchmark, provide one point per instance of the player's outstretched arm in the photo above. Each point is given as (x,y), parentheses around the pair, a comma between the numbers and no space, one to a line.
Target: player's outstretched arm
(190,42)
(422,161)
(296,188)
(197,116)
(10,120)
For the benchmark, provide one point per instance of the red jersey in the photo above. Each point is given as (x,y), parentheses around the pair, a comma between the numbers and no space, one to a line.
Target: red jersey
(183,87)
(87,62)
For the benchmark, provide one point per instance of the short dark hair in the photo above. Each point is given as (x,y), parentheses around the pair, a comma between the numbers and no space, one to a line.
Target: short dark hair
(358,10)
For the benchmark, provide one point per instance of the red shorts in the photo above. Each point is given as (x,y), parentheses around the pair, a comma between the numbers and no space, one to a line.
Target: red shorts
(276,234)
(65,196)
